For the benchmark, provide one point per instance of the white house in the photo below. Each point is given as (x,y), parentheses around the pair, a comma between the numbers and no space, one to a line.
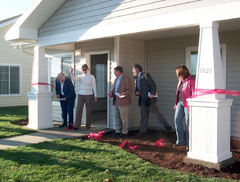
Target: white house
(15,70)
(159,35)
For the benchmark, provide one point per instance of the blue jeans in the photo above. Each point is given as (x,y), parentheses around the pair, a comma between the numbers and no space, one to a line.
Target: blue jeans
(180,112)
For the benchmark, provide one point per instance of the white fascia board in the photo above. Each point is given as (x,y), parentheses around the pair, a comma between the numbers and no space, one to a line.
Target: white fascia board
(16,31)
(12,21)
(19,33)
(187,18)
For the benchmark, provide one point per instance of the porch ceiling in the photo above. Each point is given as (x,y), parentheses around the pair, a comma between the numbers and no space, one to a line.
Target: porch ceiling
(161,34)
(229,25)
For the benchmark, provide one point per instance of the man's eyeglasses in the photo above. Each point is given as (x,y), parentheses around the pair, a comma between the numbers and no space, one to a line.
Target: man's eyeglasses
(84,69)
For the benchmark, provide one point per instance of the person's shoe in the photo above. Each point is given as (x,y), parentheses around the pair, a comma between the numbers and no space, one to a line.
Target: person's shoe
(88,127)
(122,135)
(70,127)
(75,128)
(168,130)
(62,125)
(140,134)
(117,134)
(177,145)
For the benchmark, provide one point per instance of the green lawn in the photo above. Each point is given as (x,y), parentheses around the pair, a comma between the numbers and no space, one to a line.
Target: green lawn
(11,114)
(82,160)
(75,160)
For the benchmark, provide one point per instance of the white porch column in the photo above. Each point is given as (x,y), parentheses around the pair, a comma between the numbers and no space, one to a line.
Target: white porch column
(40,97)
(209,139)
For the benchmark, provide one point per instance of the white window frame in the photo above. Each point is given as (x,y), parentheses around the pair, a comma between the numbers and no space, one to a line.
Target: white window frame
(191,49)
(20,81)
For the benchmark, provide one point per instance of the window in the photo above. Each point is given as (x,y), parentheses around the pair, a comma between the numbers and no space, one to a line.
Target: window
(191,60)
(57,64)
(9,79)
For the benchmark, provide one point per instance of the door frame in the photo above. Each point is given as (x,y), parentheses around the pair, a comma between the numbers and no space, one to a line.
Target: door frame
(88,62)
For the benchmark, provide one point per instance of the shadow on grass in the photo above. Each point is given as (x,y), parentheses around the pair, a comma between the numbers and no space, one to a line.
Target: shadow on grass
(43,159)
(14,128)
(65,147)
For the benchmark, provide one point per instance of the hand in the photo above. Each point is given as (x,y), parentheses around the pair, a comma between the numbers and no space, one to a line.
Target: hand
(137,93)
(64,99)
(71,71)
(123,93)
(110,95)
(58,96)
(95,99)
(174,107)
(151,96)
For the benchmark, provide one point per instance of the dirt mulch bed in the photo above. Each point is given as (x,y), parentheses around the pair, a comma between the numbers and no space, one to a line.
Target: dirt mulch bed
(170,156)
(20,122)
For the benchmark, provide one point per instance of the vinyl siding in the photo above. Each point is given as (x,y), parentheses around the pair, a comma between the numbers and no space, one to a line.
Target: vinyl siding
(164,55)
(162,58)
(82,14)
(9,55)
(232,40)
(132,52)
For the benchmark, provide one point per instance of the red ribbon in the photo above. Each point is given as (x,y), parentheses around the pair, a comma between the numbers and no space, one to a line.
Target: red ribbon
(200,92)
(96,136)
(42,83)
(159,143)
(129,146)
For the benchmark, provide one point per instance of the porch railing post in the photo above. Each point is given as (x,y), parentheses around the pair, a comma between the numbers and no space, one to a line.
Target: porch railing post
(209,138)
(40,97)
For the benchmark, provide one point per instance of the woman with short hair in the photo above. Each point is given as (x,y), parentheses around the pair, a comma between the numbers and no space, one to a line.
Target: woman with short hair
(87,93)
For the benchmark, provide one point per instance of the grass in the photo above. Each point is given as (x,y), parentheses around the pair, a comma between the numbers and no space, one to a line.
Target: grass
(9,115)
(76,160)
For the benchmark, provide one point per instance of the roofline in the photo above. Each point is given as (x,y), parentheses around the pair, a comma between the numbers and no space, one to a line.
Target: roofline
(9,21)
(18,32)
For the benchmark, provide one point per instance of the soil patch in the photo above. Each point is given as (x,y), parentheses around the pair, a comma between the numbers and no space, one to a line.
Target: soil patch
(170,156)
(20,122)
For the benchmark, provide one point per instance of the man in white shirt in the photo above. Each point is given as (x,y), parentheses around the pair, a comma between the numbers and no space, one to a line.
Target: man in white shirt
(87,93)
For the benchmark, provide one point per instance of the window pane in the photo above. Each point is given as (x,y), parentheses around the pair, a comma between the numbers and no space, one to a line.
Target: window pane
(55,69)
(14,80)
(193,66)
(101,71)
(4,79)
(67,63)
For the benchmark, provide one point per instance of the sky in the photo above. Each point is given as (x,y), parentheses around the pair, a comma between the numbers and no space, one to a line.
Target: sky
(10,8)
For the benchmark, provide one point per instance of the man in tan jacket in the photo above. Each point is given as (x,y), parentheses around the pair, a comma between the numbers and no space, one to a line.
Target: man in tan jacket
(121,94)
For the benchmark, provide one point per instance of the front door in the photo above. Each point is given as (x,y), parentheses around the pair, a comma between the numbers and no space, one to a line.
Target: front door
(99,70)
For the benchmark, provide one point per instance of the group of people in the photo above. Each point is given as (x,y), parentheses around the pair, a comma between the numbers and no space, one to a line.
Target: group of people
(145,89)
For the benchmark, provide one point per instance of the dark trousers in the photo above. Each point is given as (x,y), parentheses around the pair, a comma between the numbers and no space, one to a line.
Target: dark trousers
(67,109)
(88,100)
(145,116)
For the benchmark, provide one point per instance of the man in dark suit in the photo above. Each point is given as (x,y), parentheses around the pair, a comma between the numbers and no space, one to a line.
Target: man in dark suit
(66,94)
(146,90)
